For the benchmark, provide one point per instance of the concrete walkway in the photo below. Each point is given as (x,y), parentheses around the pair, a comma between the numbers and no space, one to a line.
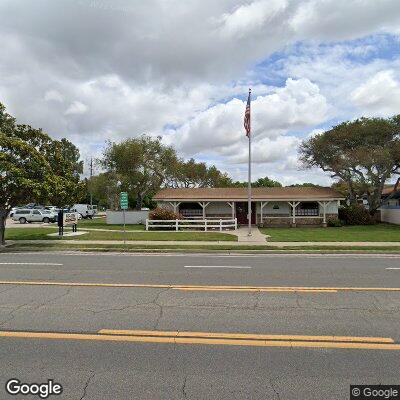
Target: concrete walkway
(215,243)
(256,236)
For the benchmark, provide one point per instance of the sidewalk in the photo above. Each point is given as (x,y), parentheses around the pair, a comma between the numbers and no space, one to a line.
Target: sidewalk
(214,243)
(243,236)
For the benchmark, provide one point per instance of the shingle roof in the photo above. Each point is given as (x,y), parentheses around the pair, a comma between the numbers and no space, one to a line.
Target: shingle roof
(274,193)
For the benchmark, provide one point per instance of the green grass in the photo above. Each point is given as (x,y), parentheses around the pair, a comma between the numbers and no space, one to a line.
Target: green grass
(100,223)
(178,236)
(30,233)
(358,233)
(41,234)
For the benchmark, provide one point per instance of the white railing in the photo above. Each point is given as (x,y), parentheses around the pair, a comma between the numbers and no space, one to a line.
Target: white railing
(204,224)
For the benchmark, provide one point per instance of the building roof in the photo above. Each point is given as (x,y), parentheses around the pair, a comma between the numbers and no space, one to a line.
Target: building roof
(240,194)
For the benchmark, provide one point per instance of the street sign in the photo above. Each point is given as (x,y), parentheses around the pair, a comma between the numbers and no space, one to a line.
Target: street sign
(70,218)
(123,200)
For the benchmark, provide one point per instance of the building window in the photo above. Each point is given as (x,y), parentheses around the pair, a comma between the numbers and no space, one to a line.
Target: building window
(307,209)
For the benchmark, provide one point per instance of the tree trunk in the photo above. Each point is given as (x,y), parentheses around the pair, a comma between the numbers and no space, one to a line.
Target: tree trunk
(352,195)
(3,217)
(139,201)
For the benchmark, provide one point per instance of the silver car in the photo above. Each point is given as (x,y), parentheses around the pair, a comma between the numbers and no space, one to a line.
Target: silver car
(27,215)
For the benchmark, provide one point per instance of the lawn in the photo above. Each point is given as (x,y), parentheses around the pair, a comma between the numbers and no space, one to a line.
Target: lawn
(41,234)
(358,233)
(179,236)
(29,233)
(100,223)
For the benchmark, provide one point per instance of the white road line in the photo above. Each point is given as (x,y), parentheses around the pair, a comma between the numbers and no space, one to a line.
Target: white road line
(218,266)
(392,268)
(28,263)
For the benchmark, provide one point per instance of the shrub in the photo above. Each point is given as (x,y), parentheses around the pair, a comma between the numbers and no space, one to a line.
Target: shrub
(163,213)
(356,214)
(335,223)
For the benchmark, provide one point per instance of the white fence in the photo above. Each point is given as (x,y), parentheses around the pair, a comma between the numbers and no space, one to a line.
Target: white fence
(203,224)
(390,215)
(131,217)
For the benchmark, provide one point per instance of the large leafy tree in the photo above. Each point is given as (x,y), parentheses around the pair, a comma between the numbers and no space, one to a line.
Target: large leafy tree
(33,167)
(66,167)
(189,174)
(142,165)
(105,190)
(364,154)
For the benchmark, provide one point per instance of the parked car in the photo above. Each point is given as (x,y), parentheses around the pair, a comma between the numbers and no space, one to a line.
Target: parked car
(53,209)
(32,206)
(13,211)
(34,215)
(85,210)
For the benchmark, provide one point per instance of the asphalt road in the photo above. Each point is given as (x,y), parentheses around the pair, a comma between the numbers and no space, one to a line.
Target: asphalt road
(339,316)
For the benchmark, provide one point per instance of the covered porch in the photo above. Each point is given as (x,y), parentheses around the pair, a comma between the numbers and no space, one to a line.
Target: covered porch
(264,213)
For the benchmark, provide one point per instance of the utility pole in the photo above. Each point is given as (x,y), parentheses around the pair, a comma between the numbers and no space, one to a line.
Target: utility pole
(91,175)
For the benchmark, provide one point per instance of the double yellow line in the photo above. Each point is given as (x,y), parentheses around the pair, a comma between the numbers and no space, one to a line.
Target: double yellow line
(217,338)
(225,288)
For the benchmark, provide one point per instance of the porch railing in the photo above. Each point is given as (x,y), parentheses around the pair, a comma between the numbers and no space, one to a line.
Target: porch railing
(204,224)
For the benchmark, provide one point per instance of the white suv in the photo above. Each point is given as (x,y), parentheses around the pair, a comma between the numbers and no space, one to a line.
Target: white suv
(26,215)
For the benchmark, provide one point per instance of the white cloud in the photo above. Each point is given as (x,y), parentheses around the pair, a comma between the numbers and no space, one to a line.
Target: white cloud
(53,95)
(76,108)
(219,129)
(380,95)
(182,73)
(249,18)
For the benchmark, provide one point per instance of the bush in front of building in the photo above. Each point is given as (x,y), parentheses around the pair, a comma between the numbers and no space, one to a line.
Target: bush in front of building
(356,214)
(164,214)
(335,223)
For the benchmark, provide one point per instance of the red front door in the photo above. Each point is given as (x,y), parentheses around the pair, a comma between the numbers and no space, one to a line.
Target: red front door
(241,213)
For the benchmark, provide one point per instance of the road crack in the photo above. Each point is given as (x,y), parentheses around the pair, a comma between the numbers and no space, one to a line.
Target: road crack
(58,297)
(11,313)
(87,385)
(184,387)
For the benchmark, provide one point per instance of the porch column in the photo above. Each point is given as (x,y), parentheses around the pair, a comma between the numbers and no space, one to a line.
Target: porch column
(175,205)
(262,205)
(293,204)
(232,205)
(324,204)
(203,205)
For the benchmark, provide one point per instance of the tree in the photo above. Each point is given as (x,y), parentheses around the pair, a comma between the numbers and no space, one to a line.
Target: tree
(305,184)
(363,153)
(105,189)
(260,182)
(142,164)
(190,173)
(66,167)
(32,166)
(266,182)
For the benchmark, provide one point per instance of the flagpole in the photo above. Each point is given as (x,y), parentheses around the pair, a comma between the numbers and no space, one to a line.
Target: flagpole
(249,179)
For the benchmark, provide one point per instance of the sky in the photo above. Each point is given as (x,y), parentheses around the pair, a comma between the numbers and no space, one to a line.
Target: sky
(98,70)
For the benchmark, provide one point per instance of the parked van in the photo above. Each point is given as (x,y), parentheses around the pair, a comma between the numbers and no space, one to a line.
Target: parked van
(25,215)
(86,210)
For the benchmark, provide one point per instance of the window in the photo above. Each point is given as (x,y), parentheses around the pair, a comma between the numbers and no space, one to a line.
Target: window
(36,212)
(307,209)
(22,212)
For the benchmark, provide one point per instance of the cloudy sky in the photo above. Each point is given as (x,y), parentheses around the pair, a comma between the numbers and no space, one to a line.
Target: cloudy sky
(92,70)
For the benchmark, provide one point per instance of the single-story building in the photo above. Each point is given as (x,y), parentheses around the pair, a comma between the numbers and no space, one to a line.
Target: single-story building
(271,206)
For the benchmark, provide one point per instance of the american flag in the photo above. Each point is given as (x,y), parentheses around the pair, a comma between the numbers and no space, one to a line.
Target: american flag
(247,116)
